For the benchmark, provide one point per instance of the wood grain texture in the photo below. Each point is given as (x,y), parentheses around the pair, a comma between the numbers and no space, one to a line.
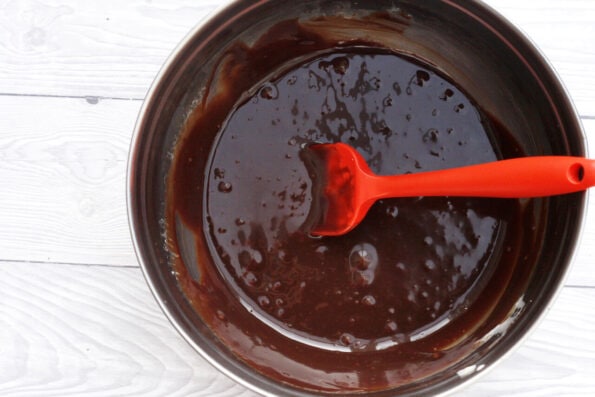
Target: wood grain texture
(114,49)
(76,316)
(98,48)
(63,171)
(97,331)
(93,331)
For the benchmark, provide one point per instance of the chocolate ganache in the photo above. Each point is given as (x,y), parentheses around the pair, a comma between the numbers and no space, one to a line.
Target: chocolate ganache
(391,302)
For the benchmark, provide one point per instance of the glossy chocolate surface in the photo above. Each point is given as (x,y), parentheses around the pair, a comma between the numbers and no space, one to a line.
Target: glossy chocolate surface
(395,300)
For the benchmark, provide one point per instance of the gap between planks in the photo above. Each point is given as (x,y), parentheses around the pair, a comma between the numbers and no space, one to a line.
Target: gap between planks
(91,99)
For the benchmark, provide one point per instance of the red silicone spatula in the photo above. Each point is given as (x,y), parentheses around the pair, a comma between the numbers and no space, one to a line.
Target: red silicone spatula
(344,187)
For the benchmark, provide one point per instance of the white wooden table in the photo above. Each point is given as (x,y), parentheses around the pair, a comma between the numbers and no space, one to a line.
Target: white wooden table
(76,317)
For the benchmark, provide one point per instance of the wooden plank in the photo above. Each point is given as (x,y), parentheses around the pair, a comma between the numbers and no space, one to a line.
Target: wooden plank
(95,331)
(114,49)
(63,171)
(107,48)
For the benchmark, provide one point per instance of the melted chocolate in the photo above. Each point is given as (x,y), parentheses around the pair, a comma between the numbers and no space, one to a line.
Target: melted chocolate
(393,301)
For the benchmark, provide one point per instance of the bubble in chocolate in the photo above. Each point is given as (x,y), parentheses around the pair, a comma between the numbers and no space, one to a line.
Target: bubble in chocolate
(269,91)
(264,301)
(363,256)
(448,93)
(219,173)
(421,77)
(369,300)
(346,339)
(340,65)
(250,279)
(363,262)
(224,187)
(391,326)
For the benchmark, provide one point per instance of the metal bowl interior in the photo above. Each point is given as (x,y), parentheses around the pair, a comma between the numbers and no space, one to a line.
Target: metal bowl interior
(477,48)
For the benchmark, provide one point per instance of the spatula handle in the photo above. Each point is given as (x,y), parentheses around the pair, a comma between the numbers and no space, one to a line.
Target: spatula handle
(515,178)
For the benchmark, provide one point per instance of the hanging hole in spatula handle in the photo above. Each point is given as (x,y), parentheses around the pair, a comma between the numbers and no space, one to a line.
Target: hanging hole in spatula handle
(576,173)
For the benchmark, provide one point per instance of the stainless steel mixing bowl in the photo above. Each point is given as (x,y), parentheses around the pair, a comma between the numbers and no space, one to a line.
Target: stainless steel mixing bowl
(468,41)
